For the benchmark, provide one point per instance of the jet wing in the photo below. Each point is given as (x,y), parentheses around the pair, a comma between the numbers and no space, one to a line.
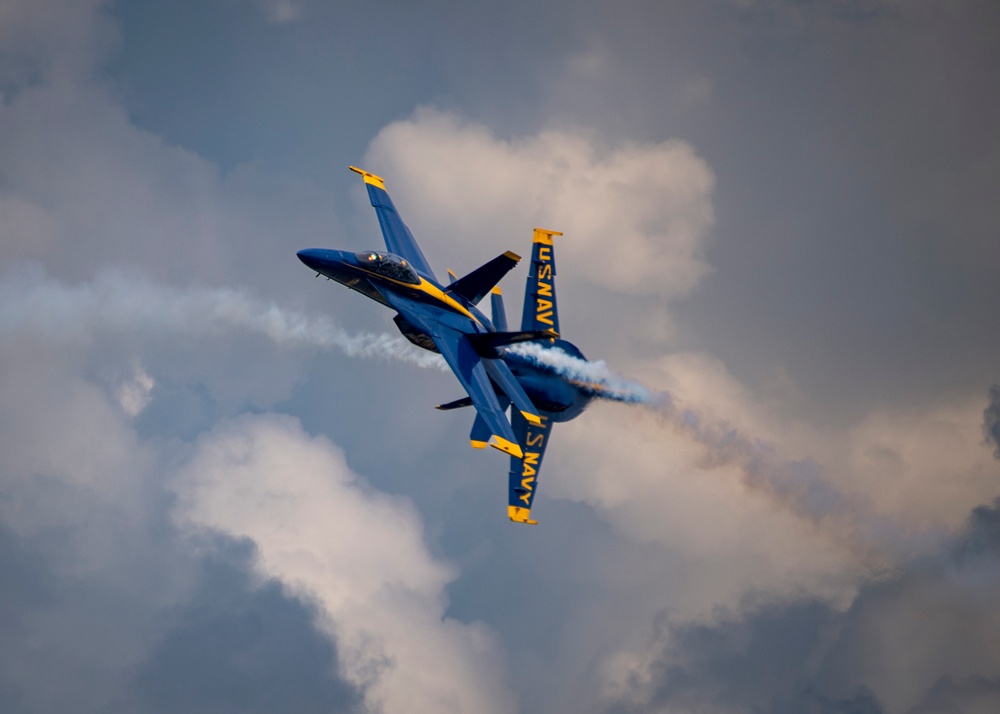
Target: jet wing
(523,478)
(448,331)
(398,238)
(471,372)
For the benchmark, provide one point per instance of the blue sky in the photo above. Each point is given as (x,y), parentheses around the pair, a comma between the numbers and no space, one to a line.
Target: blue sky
(223,486)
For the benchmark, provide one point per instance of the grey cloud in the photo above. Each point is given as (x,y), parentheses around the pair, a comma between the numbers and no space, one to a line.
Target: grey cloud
(233,644)
(853,154)
(922,638)
(991,420)
(239,646)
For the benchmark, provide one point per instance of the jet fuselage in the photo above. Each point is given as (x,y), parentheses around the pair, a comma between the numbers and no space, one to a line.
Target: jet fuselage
(371,273)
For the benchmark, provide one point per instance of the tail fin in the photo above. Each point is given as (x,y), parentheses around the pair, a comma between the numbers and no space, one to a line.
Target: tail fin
(523,477)
(499,314)
(540,310)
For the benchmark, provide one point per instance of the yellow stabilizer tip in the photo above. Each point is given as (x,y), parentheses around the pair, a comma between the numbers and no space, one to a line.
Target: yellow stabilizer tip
(520,515)
(496,290)
(371,178)
(543,235)
(512,255)
(452,273)
(478,444)
(533,418)
(508,447)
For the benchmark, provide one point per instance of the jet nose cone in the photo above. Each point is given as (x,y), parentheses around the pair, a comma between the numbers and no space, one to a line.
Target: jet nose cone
(312,257)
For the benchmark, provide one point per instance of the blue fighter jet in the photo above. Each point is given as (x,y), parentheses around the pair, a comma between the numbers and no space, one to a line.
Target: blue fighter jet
(446,320)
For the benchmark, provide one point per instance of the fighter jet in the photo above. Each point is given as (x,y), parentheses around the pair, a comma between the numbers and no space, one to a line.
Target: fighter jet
(446,319)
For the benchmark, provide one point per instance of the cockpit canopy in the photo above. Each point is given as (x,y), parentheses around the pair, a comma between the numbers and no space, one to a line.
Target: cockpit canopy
(389,265)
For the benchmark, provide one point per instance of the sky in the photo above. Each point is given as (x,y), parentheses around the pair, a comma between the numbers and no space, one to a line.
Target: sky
(223,485)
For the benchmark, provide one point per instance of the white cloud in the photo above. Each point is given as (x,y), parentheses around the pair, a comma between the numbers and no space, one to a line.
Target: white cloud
(281,12)
(134,393)
(925,466)
(636,216)
(358,553)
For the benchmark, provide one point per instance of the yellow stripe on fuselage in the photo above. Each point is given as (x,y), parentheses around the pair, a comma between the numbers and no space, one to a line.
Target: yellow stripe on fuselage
(430,289)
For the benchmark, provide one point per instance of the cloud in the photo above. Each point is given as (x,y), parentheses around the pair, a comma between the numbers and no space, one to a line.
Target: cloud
(381,595)
(923,638)
(84,503)
(281,12)
(32,303)
(101,596)
(239,645)
(134,394)
(646,208)
(991,420)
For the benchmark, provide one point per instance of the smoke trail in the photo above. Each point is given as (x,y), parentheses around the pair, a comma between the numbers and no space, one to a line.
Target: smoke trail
(121,302)
(798,485)
(594,377)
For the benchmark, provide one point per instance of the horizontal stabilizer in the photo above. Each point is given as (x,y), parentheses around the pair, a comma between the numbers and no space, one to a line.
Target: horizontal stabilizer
(457,404)
(486,343)
(477,284)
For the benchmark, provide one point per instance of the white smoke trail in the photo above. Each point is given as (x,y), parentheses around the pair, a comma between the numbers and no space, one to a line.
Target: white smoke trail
(803,486)
(118,302)
(597,377)
(800,486)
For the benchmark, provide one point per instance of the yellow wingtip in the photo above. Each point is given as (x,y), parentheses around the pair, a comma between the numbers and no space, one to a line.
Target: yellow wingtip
(520,515)
(478,444)
(512,255)
(496,290)
(369,177)
(508,447)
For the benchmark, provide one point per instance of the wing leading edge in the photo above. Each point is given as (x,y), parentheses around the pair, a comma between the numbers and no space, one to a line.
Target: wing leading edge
(398,238)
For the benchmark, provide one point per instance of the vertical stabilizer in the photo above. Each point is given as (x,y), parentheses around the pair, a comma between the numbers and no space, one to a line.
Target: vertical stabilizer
(523,478)
(540,310)
(499,314)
